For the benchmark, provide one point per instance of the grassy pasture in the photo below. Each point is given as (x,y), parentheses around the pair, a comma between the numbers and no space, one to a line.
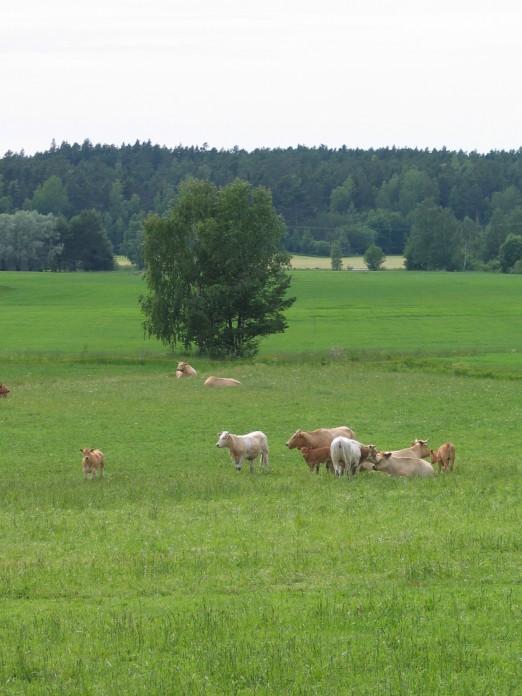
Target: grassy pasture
(176,575)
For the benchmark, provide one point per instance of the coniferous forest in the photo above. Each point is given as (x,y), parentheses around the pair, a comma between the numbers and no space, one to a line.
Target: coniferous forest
(73,206)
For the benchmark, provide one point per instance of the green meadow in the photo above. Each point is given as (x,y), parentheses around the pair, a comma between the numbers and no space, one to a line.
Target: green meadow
(176,575)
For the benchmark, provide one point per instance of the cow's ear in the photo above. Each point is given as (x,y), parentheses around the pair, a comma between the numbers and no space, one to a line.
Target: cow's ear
(387,454)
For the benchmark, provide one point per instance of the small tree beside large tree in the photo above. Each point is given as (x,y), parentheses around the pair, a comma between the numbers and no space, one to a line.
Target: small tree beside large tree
(215,269)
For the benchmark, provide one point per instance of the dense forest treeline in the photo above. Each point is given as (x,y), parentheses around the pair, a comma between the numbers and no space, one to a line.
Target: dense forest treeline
(443,209)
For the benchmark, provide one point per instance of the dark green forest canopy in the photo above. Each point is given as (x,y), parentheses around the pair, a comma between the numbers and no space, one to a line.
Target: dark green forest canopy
(356,196)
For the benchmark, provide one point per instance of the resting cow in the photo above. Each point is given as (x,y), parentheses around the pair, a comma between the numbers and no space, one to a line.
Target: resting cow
(316,456)
(322,437)
(249,446)
(4,391)
(418,449)
(221,382)
(93,461)
(185,370)
(444,456)
(347,455)
(390,463)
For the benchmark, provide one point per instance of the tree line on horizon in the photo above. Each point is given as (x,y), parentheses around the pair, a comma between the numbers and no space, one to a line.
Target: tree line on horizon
(442,209)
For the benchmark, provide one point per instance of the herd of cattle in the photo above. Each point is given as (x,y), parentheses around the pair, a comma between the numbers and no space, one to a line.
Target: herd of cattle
(341,454)
(336,448)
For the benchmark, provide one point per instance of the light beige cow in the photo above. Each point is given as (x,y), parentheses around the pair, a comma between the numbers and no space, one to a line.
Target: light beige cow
(221,382)
(185,370)
(249,446)
(444,456)
(418,449)
(390,463)
(322,437)
(93,461)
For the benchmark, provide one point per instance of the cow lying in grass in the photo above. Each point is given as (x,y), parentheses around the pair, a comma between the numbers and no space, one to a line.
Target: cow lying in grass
(444,456)
(390,463)
(221,382)
(348,455)
(322,437)
(93,461)
(4,391)
(315,456)
(185,370)
(249,446)
(418,449)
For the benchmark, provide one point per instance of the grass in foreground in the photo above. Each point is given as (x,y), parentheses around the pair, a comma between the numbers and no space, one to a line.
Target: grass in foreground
(177,575)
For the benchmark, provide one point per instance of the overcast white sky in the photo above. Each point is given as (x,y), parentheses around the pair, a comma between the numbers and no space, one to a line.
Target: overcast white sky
(262,74)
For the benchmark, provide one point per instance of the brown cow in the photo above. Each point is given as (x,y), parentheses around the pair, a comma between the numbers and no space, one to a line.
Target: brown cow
(185,370)
(444,456)
(4,391)
(221,382)
(93,460)
(322,437)
(316,456)
(393,465)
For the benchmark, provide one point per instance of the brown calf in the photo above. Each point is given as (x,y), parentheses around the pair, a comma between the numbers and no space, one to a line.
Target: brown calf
(444,456)
(93,460)
(315,456)
(4,391)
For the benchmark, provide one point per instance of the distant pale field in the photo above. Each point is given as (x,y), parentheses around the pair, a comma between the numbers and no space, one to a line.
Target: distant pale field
(177,575)
(354,262)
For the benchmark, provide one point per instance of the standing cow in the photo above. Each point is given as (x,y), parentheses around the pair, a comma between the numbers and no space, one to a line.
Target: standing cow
(322,437)
(444,456)
(347,455)
(93,461)
(249,446)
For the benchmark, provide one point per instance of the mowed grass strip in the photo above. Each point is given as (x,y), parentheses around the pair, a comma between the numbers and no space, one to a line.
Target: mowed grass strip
(175,574)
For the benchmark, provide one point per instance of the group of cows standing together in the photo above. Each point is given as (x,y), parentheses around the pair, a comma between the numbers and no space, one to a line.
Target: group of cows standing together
(336,448)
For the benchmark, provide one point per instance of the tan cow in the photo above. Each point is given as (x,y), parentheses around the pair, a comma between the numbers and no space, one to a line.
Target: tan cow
(249,446)
(221,382)
(418,449)
(391,464)
(185,370)
(316,456)
(322,437)
(93,461)
(4,391)
(444,456)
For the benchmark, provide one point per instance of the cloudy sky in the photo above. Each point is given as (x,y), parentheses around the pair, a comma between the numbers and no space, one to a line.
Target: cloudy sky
(364,73)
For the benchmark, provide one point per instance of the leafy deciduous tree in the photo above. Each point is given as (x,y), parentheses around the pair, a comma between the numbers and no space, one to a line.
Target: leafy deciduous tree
(216,273)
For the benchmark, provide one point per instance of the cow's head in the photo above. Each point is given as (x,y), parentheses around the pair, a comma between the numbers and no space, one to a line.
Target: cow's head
(423,447)
(223,439)
(380,460)
(181,366)
(294,441)
(372,453)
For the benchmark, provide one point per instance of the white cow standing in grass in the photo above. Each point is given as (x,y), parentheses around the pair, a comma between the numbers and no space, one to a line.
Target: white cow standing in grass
(347,455)
(249,446)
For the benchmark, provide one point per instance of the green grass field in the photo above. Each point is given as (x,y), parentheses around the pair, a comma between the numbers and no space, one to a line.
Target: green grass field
(177,575)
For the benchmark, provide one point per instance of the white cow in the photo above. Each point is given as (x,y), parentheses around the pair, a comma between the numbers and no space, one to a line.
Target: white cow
(347,455)
(249,446)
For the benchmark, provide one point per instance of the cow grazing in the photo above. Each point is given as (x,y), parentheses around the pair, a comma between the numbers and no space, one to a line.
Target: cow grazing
(4,391)
(185,370)
(316,456)
(347,455)
(418,449)
(93,461)
(221,382)
(249,446)
(322,437)
(390,463)
(444,456)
